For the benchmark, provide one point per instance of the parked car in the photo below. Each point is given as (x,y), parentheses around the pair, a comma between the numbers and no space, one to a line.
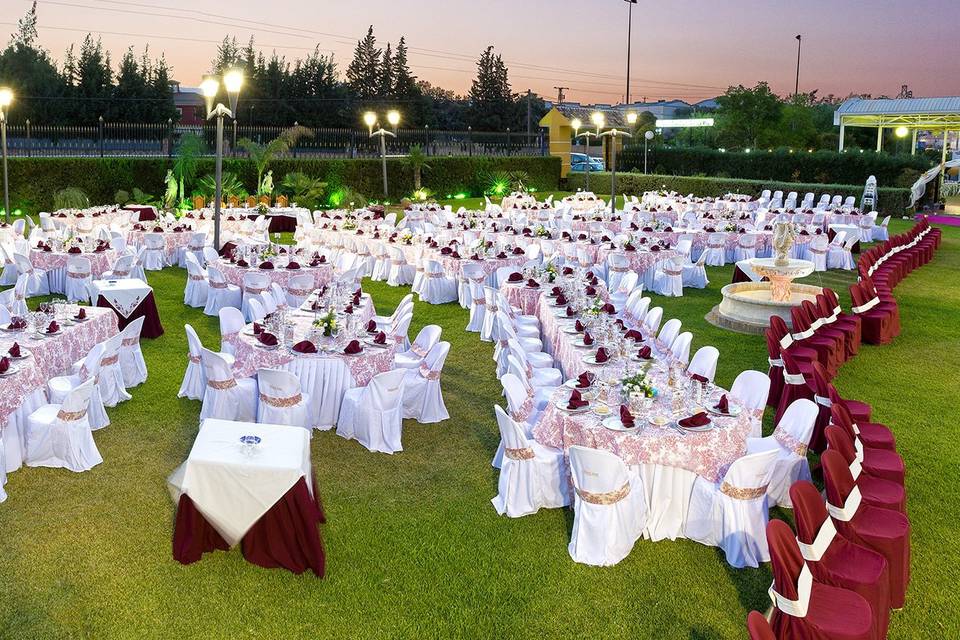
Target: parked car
(579,161)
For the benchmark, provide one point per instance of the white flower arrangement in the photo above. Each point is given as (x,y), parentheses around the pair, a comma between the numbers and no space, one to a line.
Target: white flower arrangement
(639,384)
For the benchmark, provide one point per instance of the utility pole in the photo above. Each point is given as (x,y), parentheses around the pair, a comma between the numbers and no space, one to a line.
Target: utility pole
(560,95)
(529,114)
(796,87)
(630,3)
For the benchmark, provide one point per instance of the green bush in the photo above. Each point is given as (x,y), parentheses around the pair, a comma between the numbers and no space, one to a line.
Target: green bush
(892,201)
(782,165)
(33,181)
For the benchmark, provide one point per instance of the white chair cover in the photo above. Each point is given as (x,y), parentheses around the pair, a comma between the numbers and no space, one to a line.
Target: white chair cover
(413,357)
(220,293)
(704,362)
(58,435)
(373,415)
(610,509)
(196,291)
(422,397)
(78,279)
(751,389)
(437,288)
(226,397)
(281,401)
(133,367)
(59,388)
(790,439)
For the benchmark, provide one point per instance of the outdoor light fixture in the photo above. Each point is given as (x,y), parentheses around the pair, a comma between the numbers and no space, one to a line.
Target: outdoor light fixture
(901,131)
(576,124)
(6,99)
(647,137)
(370,119)
(613,134)
(632,118)
(210,87)
(597,119)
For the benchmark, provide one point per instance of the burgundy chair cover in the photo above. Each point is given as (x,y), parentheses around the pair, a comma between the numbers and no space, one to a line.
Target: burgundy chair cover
(825,395)
(775,373)
(829,352)
(827,304)
(792,390)
(758,627)
(872,434)
(879,463)
(286,536)
(843,564)
(886,532)
(833,613)
(803,355)
(827,331)
(878,492)
(147,309)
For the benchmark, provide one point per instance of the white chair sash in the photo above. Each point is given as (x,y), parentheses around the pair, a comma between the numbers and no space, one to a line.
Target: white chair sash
(795,608)
(814,551)
(849,508)
(863,308)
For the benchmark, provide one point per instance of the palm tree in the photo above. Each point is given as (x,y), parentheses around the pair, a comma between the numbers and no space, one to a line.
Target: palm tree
(188,156)
(417,161)
(263,154)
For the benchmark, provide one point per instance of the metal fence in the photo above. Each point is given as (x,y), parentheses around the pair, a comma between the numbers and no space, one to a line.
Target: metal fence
(116,139)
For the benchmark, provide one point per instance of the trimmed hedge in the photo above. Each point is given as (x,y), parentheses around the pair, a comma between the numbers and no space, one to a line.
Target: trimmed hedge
(820,167)
(893,201)
(33,181)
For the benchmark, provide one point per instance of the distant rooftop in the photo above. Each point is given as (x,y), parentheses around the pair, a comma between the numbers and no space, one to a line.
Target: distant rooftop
(897,107)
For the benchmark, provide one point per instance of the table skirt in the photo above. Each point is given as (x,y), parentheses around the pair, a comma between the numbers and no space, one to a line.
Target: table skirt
(152,328)
(285,537)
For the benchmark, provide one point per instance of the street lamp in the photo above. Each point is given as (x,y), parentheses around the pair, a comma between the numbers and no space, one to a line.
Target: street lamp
(613,134)
(370,119)
(647,137)
(232,82)
(6,97)
(632,118)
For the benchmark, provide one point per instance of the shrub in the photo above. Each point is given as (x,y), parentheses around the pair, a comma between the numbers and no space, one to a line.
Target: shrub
(70,198)
(782,165)
(891,200)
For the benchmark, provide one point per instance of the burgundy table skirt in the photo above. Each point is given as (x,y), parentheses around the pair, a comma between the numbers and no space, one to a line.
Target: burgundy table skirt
(146,213)
(740,276)
(148,309)
(279,224)
(285,537)
(833,234)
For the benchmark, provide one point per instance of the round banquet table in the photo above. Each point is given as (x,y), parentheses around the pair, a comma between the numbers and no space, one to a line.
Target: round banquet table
(144,212)
(322,274)
(325,376)
(173,242)
(55,264)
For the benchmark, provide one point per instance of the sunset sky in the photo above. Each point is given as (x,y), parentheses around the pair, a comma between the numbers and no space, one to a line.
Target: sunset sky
(686,49)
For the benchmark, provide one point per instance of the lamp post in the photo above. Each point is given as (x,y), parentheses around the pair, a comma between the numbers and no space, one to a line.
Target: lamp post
(796,87)
(232,81)
(370,119)
(630,4)
(647,137)
(6,97)
(613,134)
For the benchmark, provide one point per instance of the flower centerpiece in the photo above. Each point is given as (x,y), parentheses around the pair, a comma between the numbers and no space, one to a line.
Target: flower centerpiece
(541,232)
(263,209)
(327,323)
(595,308)
(638,390)
(550,272)
(406,236)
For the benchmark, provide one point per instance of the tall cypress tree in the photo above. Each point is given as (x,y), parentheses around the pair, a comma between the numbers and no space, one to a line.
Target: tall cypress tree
(387,74)
(492,106)
(404,82)
(363,73)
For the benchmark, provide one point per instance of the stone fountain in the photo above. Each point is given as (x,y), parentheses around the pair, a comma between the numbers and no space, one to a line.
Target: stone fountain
(747,306)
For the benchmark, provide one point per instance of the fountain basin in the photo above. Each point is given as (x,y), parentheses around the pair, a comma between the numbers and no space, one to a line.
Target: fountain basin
(747,306)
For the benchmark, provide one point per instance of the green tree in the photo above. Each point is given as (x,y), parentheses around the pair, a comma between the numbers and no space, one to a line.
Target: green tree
(387,74)
(492,106)
(263,154)
(417,161)
(188,157)
(363,72)
(29,71)
(746,115)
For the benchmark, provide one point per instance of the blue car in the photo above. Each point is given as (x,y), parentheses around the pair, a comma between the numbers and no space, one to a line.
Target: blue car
(579,162)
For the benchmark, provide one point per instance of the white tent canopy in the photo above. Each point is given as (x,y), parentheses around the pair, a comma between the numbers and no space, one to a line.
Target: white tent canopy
(920,186)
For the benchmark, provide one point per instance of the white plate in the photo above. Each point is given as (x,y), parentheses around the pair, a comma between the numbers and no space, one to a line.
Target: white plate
(732,413)
(613,424)
(602,410)
(562,405)
(24,354)
(592,359)
(374,344)
(659,421)
(580,345)
(13,370)
(572,384)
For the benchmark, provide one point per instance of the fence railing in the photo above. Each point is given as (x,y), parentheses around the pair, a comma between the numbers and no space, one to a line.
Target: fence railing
(117,139)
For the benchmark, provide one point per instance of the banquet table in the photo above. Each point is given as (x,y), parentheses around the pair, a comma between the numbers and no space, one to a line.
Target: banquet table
(325,375)
(173,242)
(322,274)
(129,298)
(55,264)
(144,212)
(25,390)
(260,496)
(668,458)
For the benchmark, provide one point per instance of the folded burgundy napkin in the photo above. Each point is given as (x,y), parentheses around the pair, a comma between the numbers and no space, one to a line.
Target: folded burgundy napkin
(359,232)
(568,271)
(501,256)
(698,377)
(242,263)
(629,247)
(569,311)
(257,328)
(644,352)
(4,364)
(561,299)
(158,229)
(582,236)
(620,324)
(724,405)
(74,250)
(371,326)
(626,418)
(655,247)
(267,339)
(445,251)
(668,230)
(634,335)
(14,350)
(353,348)
(18,323)
(266,265)
(53,327)
(293,265)
(648,229)
(47,248)
(576,400)
(517,251)
(590,291)
(697,420)
(804,232)
(608,308)
(380,338)
(348,309)
(101,248)
(555,292)
(602,355)
(585,379)
(533,284)
(587,338)
(455,255)
(305,346)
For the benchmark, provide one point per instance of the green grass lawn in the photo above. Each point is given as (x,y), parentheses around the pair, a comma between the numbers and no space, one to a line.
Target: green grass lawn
(414,547)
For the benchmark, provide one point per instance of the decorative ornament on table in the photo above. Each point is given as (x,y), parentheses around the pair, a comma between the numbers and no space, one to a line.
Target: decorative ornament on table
(327,323)
(784,235)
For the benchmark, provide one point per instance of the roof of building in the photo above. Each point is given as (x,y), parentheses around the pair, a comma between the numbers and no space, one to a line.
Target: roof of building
(867,108)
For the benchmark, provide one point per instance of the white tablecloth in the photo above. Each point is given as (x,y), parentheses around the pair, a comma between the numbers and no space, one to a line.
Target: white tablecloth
(233,489)
(123,295)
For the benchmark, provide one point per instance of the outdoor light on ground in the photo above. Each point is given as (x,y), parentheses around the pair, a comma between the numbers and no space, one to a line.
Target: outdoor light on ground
(370,119)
